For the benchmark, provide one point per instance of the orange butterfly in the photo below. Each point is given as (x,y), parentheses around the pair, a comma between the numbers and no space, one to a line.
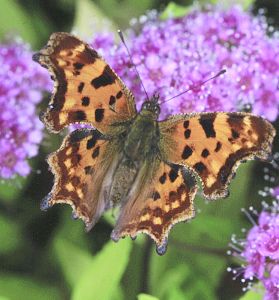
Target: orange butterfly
(131,159)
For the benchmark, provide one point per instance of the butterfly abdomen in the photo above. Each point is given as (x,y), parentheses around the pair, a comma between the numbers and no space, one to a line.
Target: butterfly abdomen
(123,180)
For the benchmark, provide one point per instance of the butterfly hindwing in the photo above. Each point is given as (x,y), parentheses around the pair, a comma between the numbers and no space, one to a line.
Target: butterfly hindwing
(86,89)
(214,144)
(80,167)
(163,199)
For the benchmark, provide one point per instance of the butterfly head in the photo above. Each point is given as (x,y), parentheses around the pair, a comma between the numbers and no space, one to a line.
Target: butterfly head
(151,106)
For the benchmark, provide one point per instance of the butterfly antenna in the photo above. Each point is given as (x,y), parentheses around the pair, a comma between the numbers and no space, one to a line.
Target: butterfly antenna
(131,59)
(195,86)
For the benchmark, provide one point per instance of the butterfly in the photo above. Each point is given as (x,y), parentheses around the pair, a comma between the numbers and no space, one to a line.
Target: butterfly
(129,159)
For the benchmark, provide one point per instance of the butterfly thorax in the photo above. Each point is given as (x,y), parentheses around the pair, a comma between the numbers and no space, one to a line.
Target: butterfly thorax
(143,136)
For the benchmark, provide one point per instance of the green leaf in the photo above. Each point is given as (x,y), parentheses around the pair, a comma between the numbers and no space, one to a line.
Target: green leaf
(10,235)
(244,3)
(123,11)
(11,189)
(256,293)
(202,232)
(73,259)
(89,20)
(15,287)
(200,288)
(104,272)
(174,10)
(146,297)
(14,19)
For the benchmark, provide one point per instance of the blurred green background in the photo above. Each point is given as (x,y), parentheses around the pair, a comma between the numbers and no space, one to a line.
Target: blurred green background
(50,256)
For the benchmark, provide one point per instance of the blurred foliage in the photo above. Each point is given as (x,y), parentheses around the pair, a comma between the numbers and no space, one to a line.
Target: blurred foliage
(49,256)
(256,293)
(174,11)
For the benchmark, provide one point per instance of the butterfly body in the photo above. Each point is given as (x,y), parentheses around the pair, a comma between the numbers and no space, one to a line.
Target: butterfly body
(143,136)
(138,145)
(149,168)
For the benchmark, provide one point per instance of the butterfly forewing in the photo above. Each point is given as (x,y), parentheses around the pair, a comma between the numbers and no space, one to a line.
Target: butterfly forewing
(213,145)
(86,88)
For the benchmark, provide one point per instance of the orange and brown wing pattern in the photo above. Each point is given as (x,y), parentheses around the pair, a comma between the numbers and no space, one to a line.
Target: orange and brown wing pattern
(214,144)
(164,200)
(80,167)
(86,89)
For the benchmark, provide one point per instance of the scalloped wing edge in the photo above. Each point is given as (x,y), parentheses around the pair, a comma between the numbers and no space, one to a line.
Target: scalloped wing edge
(263,155)
(161,243)
(42,57)
(47,202)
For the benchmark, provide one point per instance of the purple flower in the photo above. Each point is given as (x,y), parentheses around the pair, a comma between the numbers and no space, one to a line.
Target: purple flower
(262,243)
(177,54)
(21,85)
(256,263)
(260,250)
(269,243)
(271,284)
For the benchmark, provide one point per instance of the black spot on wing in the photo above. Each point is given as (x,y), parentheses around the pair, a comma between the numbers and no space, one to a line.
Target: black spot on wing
(187,133)
(156,196)
(173,174)
(112,100)
(96,152)
(85,101)
(91,143)
(163,178)
(187,152)
(99,114)
(78,66)
(80,87)
(186,124)
(205,153)
(207,123)
(79,115)
(88,170)
(218,146)
(119,95)
(235,134)
(106,78)
(199,167)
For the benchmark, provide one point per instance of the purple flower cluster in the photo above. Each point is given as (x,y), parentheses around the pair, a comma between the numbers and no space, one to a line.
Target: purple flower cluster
(261,252)
(260,249)
(21,85)
(178,54)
